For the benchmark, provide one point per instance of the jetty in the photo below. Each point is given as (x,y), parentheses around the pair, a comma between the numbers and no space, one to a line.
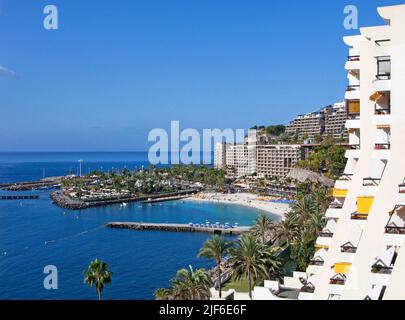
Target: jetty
(52,182)
(164,199)
(176,228)
(63,201)
(19,197)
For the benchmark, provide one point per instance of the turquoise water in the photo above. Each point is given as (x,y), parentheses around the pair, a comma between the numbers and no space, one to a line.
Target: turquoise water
(36,233)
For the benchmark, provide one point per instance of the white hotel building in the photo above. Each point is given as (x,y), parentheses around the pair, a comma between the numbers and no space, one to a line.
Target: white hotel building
(361,253)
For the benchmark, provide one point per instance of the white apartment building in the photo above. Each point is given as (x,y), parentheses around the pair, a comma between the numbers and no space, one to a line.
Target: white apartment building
(241,159)
(361,252)
(220,156)
(277,160)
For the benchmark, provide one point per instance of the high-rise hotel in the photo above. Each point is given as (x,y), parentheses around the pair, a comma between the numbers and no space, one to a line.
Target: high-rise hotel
(361,252)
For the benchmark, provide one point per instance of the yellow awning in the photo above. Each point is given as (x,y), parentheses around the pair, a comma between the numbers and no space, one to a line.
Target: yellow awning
(383,126)
(319,247)
(375,96)
(339,193)
(342,267)
(353,107)
(364,204)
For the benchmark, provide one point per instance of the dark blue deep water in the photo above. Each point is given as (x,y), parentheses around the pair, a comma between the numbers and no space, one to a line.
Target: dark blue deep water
(36,233)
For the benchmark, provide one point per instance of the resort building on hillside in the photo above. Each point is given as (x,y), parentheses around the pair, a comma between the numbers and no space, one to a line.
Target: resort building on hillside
(277,160)
(329,120)
(307,126)
(335,120)
(360,255)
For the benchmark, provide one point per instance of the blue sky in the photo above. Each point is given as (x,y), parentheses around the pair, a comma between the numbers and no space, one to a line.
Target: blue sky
(116,69)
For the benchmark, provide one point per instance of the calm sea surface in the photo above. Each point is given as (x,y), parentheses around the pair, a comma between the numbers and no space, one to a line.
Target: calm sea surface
(36,233)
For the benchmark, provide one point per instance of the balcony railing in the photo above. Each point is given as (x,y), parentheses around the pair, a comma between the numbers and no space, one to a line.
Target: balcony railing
(394,230)
(335,206)
(382,146)
(339,280)
(326,234)
(381,269)
(318,263)
(353,58)
(383,42)
(347,248)
(346,177)
(354,147)
(353,87)
(383,76)
(369,182)
(309,288)
(382,111)
(359,216)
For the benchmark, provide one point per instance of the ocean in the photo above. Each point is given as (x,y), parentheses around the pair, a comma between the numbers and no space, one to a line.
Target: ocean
(36,233)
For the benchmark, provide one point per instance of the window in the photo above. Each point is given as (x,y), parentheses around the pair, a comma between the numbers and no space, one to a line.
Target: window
(384,68)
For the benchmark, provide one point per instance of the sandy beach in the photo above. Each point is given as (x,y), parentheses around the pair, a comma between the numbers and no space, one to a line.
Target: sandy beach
(246,199)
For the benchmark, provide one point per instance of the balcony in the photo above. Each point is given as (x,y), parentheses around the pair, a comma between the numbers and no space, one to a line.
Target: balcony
(352,92)
(342,184)
(395,228)
(382,151)
(367,182)
(324,242)
(383,266)
(338,279)
(326,234)
(348,247)
(353,63)
(353,123)
(382,48)
(308,288)
(382,111)
(382,120)
(333,213)
(317,262)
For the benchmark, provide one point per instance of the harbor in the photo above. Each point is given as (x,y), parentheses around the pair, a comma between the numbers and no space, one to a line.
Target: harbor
(172,227)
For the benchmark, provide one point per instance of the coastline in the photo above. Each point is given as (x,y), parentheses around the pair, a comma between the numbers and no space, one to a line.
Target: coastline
(279,210)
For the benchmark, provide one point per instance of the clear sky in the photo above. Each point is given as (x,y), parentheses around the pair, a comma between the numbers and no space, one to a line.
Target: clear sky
(116,69)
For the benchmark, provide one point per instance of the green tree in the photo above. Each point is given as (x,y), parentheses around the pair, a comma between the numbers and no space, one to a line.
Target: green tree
(249,260)
(190,284)
(215,248)
(98,274)
(263,227)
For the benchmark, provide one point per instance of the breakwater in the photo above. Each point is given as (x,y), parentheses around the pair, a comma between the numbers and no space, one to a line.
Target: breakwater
(66,202)
(18,197)
(32,185)
(176,228)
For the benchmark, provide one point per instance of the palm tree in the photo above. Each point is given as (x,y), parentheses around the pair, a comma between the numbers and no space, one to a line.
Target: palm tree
(98,274)
(303,208)
(163,294)
(248,259)
(262,227)
(190,284)
(215,248)
(287,230)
